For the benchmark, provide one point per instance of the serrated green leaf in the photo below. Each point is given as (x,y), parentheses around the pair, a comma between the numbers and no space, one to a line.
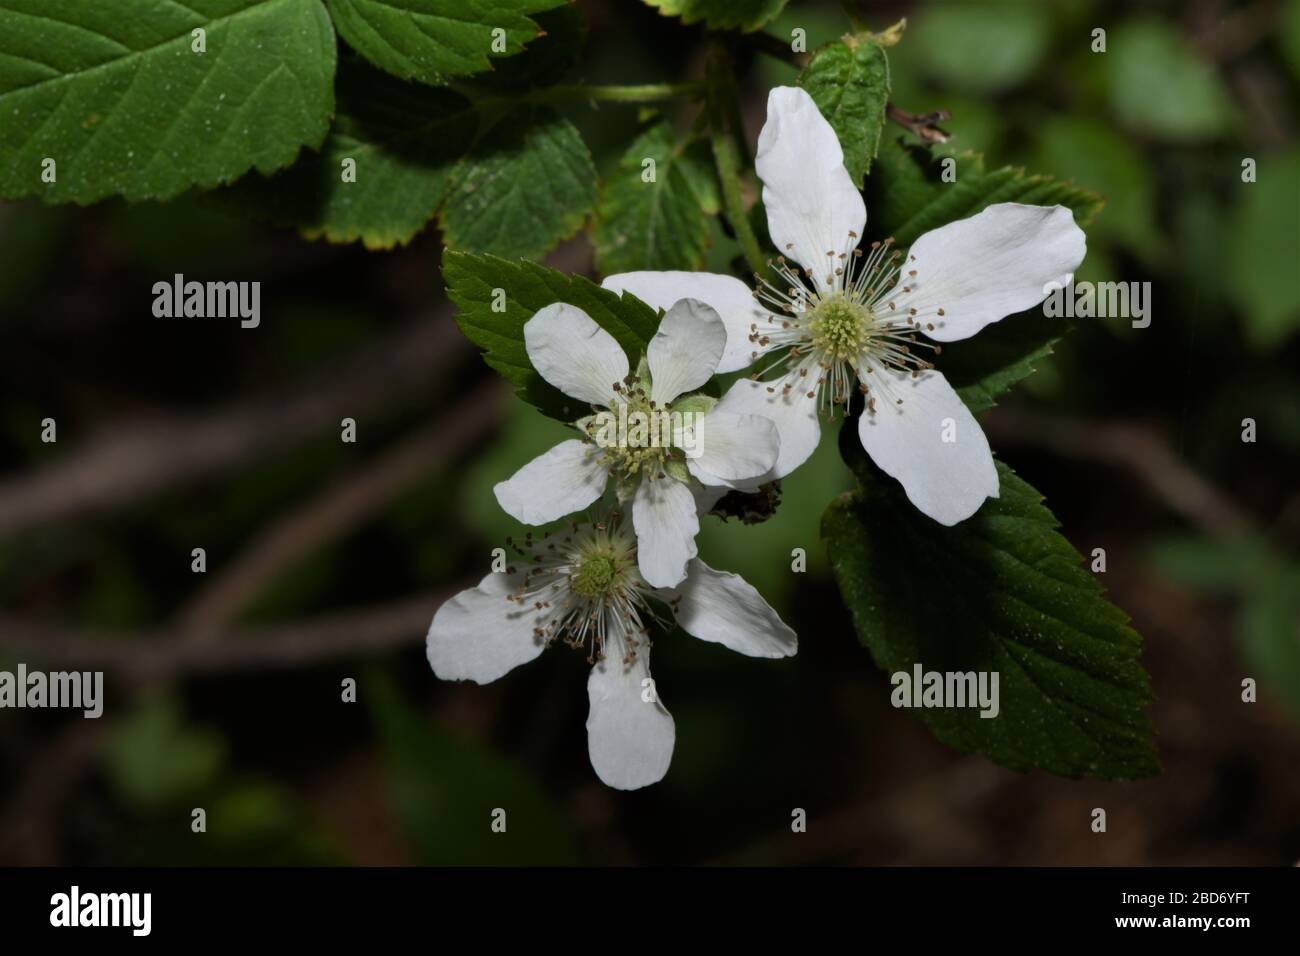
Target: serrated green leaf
(405,141)
(1002,591)
(747,15)
(907,196)
(849,82)
(545,60)
(651,225)
(984,366)
(116,95)
(472,281)
(526,184)
(432,40)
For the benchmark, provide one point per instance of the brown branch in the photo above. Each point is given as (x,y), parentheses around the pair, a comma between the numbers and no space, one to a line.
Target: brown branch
(155,653)
(1132,446)
(339,509)
(923,125)
(128,462)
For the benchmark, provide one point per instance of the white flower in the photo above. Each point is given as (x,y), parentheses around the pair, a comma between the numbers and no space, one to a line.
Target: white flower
(855,318)
(584,588)
(659,476)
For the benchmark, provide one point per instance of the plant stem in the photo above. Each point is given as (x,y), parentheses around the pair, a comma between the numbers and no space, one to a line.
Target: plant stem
(727,157)
(643,93)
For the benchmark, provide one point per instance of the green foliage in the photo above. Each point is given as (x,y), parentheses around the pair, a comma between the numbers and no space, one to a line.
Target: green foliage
(154,759)
(908,197)
(1261,275)
(1158,85)
(849,82)
(1267,586)
(527,184)
(545,60)
(1090,152)
(982,47)
(515,183)
(433,40)
(1289,35)
(472,281)
(445,790)
(984,366)
(1003,591)
(406,142)
(662,224)
(115,94)
(746,15)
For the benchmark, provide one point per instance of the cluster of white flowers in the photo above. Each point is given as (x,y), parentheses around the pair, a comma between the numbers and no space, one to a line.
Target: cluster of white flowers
(833,319)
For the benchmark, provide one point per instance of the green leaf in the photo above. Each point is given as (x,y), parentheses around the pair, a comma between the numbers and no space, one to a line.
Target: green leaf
(432,40)
(1001,592)
(445,791)
(747,15)
(908,197)
(701,173)
(545,60)
(1270,634)
(986,365)
(981,47)
(472,281)
(1158,84)
(115,94)
(652,225)
(526,184)
(154,758)
(849,82)
(513,183)
(1211,565)
(1091,152)
(1265,249)
(405,141)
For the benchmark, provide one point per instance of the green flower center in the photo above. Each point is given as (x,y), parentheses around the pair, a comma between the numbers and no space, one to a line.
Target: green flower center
(840,328)
(602,568)
(634,435)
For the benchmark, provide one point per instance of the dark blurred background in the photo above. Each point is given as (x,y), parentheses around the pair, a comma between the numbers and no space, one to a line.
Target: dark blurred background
(326,560)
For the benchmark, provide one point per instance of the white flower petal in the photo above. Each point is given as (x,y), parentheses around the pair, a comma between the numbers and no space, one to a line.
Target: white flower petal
(726,609)
(479,635)
(574,354)
(794,415)
(685,350)
(726,295)
(998,262)
(554,484)
(666,523)
(734,447)
(948,480)
(629,738)
(812,203)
